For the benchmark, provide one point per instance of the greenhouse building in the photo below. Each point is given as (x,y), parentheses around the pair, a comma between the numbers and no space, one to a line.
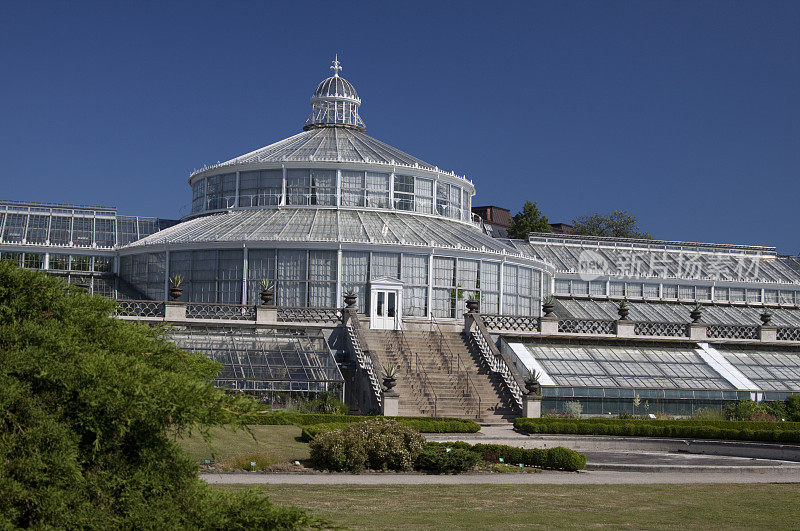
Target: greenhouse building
(317,261)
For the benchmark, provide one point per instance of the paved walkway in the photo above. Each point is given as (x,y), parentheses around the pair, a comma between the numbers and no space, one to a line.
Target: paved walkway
(604,477)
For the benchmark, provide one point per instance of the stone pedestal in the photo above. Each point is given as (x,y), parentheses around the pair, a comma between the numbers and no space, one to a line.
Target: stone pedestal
(390,403)
(768,333)
(266,315)
(697,331)
(548,326)
(532,406)
(174,311)
(625,328)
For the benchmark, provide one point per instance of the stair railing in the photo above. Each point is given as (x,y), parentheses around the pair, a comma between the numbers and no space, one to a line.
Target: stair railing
(366,361)
(495,360)
(419,369)
(458,367)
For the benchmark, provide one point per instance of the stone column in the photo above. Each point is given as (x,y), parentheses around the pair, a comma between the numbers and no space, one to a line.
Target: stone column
(390,403)
(548,326)
(768,333)
(625,329)
(174,311)
(531,406)
(697,331)
(266,315)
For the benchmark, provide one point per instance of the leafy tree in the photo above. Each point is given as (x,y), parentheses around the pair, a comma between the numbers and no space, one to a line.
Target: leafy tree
(618,224)
(89,406)
(529,219)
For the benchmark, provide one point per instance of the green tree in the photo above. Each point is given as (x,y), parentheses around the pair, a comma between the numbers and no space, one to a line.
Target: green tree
(618,224)
(529,219)
(89,407)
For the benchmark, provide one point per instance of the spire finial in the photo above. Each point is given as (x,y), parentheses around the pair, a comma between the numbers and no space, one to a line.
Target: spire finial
(336,66)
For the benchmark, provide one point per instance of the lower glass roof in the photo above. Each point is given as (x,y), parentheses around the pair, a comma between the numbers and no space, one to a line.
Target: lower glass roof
(771,369)
(258,358)
(626,365)
(328,225)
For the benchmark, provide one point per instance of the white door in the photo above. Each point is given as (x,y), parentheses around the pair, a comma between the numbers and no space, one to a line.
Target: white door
(384,309)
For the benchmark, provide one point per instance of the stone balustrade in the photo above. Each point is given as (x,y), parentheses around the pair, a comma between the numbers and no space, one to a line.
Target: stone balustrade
(601,328)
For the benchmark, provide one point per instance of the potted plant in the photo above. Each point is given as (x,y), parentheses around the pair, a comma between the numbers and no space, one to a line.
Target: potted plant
(267,291)
(766,317)
(622,310)
(175,289)
(350,298)
(390,376)
(473,303)
(548,305)
(696,313)
(532,383)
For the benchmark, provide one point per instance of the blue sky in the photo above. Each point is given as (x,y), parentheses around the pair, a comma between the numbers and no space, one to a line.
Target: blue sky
(685,113)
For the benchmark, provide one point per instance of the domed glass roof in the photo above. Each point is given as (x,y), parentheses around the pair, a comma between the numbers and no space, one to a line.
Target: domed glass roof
(336,87)
(335,103)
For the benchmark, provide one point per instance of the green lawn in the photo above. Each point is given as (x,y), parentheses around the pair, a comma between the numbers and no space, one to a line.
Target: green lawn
(273,447)
(523,506)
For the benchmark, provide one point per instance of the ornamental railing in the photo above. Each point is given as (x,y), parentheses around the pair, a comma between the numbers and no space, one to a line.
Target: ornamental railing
(130,308)
(332,316)
(787,334)
(363,359)
(587,326)
(511,323)
(719,331)
(229,312)
(494,359)
(660,329)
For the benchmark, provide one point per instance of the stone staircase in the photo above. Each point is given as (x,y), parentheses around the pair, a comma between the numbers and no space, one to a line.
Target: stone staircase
(439,375)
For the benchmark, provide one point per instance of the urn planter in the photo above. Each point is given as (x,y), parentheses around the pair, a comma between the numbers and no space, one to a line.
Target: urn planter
(389,383)
(266,297)
(175,293)
(473,305)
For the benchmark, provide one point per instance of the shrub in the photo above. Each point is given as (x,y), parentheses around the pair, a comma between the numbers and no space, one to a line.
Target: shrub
(708,413)
(702,429)
(446,460)
(556,458)
(421,424)
(743,410)
(563,459)
(793,408)
(379,443)
(573,409)
(89,406)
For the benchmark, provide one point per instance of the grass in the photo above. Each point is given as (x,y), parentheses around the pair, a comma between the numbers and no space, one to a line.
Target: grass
(545,506)
(268,446)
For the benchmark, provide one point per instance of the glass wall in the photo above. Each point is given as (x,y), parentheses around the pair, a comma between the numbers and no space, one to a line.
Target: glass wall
(59,226)
(303,277)
(305,187)
(208,275)
(142,276)
(682,292)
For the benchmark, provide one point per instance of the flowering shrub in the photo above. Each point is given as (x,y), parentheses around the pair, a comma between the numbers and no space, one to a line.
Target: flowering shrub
(762,416)
(378,443)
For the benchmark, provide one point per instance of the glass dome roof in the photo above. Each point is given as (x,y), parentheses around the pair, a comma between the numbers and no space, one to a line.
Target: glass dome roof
(335,103)
(336,87)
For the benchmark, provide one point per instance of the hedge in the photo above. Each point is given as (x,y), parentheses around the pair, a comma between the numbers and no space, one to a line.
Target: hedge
(556,458)
(787,432)
(421,424)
